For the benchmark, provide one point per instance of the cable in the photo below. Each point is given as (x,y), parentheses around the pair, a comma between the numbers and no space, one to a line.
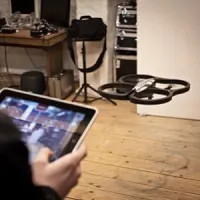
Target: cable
(33,63)
(7,68)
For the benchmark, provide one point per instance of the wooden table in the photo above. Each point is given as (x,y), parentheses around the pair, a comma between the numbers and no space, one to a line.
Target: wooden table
(51,44)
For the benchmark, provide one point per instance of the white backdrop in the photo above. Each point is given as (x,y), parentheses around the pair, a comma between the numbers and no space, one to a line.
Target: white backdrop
(169,46)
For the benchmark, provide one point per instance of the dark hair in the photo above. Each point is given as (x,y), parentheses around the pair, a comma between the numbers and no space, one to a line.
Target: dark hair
(8,130)
(15,171)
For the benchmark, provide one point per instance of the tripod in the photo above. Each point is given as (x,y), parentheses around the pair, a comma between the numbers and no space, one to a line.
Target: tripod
(85,86)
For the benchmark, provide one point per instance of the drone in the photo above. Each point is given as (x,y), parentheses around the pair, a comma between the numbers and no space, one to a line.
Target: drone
(144,89)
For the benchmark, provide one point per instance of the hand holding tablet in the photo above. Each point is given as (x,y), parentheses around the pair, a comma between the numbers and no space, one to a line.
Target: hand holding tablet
(47,122)
(61,175)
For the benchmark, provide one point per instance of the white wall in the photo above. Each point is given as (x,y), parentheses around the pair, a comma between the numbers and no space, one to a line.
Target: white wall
(169,46)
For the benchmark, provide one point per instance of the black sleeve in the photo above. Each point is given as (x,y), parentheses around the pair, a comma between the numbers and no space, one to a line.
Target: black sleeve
(15,171)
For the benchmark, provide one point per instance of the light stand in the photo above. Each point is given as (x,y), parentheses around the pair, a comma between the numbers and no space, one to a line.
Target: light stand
(85,86)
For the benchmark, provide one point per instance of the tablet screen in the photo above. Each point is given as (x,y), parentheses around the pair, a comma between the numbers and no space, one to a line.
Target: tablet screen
(43,125)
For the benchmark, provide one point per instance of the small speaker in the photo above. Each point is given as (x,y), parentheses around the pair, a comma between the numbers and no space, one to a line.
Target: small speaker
(56,12)
(33,81)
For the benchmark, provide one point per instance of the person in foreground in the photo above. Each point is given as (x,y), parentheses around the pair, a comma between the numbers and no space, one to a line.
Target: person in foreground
(40,181)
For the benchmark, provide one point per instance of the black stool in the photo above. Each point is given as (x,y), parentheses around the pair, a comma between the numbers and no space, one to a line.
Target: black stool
(33,81)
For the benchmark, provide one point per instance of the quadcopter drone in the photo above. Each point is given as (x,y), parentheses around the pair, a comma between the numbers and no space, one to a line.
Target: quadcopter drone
(144,89)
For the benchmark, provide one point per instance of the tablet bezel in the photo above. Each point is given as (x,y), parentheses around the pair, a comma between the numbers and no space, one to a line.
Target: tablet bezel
(91,112)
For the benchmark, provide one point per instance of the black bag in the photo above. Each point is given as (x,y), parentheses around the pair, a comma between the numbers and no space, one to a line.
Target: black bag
(87,29)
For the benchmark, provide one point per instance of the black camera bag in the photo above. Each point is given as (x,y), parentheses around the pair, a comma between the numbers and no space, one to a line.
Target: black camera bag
(87,29)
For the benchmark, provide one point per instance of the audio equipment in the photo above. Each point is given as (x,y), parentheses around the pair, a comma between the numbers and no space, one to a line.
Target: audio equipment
(33,81)
(62,85)
(126,17)
(42,28)
(126,41)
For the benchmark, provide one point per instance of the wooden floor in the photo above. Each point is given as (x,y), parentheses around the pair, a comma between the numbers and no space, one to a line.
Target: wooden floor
(136,158)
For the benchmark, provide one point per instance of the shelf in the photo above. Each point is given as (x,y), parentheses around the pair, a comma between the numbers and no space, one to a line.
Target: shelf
(126,57)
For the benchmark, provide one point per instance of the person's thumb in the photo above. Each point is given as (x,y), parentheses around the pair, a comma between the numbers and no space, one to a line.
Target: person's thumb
(44,155)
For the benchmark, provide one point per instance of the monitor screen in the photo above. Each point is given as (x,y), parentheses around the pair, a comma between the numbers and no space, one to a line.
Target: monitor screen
(23,6)
(56,13)
(43,125)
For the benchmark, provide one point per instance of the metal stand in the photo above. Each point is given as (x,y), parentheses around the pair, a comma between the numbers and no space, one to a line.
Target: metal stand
(85,85)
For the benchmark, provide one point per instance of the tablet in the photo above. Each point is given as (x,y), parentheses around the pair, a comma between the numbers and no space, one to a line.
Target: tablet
(47,122)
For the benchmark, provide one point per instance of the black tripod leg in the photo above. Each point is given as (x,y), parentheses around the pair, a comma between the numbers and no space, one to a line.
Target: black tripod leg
(78,93)
(114,103)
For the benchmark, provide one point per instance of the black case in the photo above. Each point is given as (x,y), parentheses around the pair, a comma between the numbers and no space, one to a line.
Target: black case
(125,67)
(126,42)
(126,17)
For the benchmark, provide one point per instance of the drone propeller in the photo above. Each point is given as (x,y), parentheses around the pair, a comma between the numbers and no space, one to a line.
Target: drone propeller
(145,89)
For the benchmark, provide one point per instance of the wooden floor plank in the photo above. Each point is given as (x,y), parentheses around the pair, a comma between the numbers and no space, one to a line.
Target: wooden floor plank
(85,193)
(182,166)
(140,158)
(126,162)
(139,147)
(142,177)
(130,147)
(131,189)
(188,197)
(157,133)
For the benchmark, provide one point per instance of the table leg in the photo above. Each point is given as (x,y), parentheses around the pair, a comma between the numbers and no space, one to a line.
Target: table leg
(54,60)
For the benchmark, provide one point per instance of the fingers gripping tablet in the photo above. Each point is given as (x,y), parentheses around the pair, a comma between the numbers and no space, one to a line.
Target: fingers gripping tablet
(47,122)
